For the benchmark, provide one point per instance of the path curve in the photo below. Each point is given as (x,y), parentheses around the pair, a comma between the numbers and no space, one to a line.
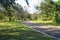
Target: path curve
(50,30)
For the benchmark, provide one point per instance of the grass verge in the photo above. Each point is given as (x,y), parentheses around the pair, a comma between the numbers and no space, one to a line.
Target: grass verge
(47,23)
(17,31)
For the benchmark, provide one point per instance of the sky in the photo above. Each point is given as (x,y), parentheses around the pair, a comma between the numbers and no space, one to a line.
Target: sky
(32,4)
(55,0)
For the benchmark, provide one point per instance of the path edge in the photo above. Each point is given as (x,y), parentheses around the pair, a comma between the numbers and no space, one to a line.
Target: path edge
(41,32)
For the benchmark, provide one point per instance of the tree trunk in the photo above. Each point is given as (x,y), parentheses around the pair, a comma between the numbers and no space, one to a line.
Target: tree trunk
(10,19)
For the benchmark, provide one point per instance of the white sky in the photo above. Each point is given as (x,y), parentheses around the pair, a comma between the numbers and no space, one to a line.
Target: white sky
(32,3)
(55,0)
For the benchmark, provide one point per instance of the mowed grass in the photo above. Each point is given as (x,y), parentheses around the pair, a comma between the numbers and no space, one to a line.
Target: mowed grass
(46,22)
(39,21)
(17,31)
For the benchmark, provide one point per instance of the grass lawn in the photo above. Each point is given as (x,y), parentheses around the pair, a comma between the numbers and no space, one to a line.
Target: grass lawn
(39,21)
(17,31)
(46,22)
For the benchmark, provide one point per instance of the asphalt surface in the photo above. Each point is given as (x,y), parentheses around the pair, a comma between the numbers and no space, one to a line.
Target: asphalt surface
(50,30)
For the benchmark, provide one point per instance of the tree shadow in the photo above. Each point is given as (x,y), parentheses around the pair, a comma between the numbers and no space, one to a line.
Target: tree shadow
(51,31)
(21,33)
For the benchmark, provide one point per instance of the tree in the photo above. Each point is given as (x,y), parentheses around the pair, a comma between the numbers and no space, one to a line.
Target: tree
(50,8)
(8,4)
(27,2)
(12,10)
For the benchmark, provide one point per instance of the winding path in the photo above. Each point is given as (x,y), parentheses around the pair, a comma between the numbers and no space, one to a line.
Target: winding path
(50,30)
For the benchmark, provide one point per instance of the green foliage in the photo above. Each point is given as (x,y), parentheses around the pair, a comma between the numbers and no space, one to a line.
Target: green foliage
(50,9)
(12,10)
(7,4)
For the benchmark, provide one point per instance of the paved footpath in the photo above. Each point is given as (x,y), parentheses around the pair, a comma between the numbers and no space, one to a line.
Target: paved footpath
(50,30)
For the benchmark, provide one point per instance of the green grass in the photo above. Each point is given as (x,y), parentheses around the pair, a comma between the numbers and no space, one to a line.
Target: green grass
(39,21)
(17,31)
(46,22)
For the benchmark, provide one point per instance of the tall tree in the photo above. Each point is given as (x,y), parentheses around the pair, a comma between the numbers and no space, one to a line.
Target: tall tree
(7,4)
(50,7)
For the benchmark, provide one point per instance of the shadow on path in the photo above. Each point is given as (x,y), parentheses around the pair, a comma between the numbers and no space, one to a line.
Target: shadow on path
(51,30)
